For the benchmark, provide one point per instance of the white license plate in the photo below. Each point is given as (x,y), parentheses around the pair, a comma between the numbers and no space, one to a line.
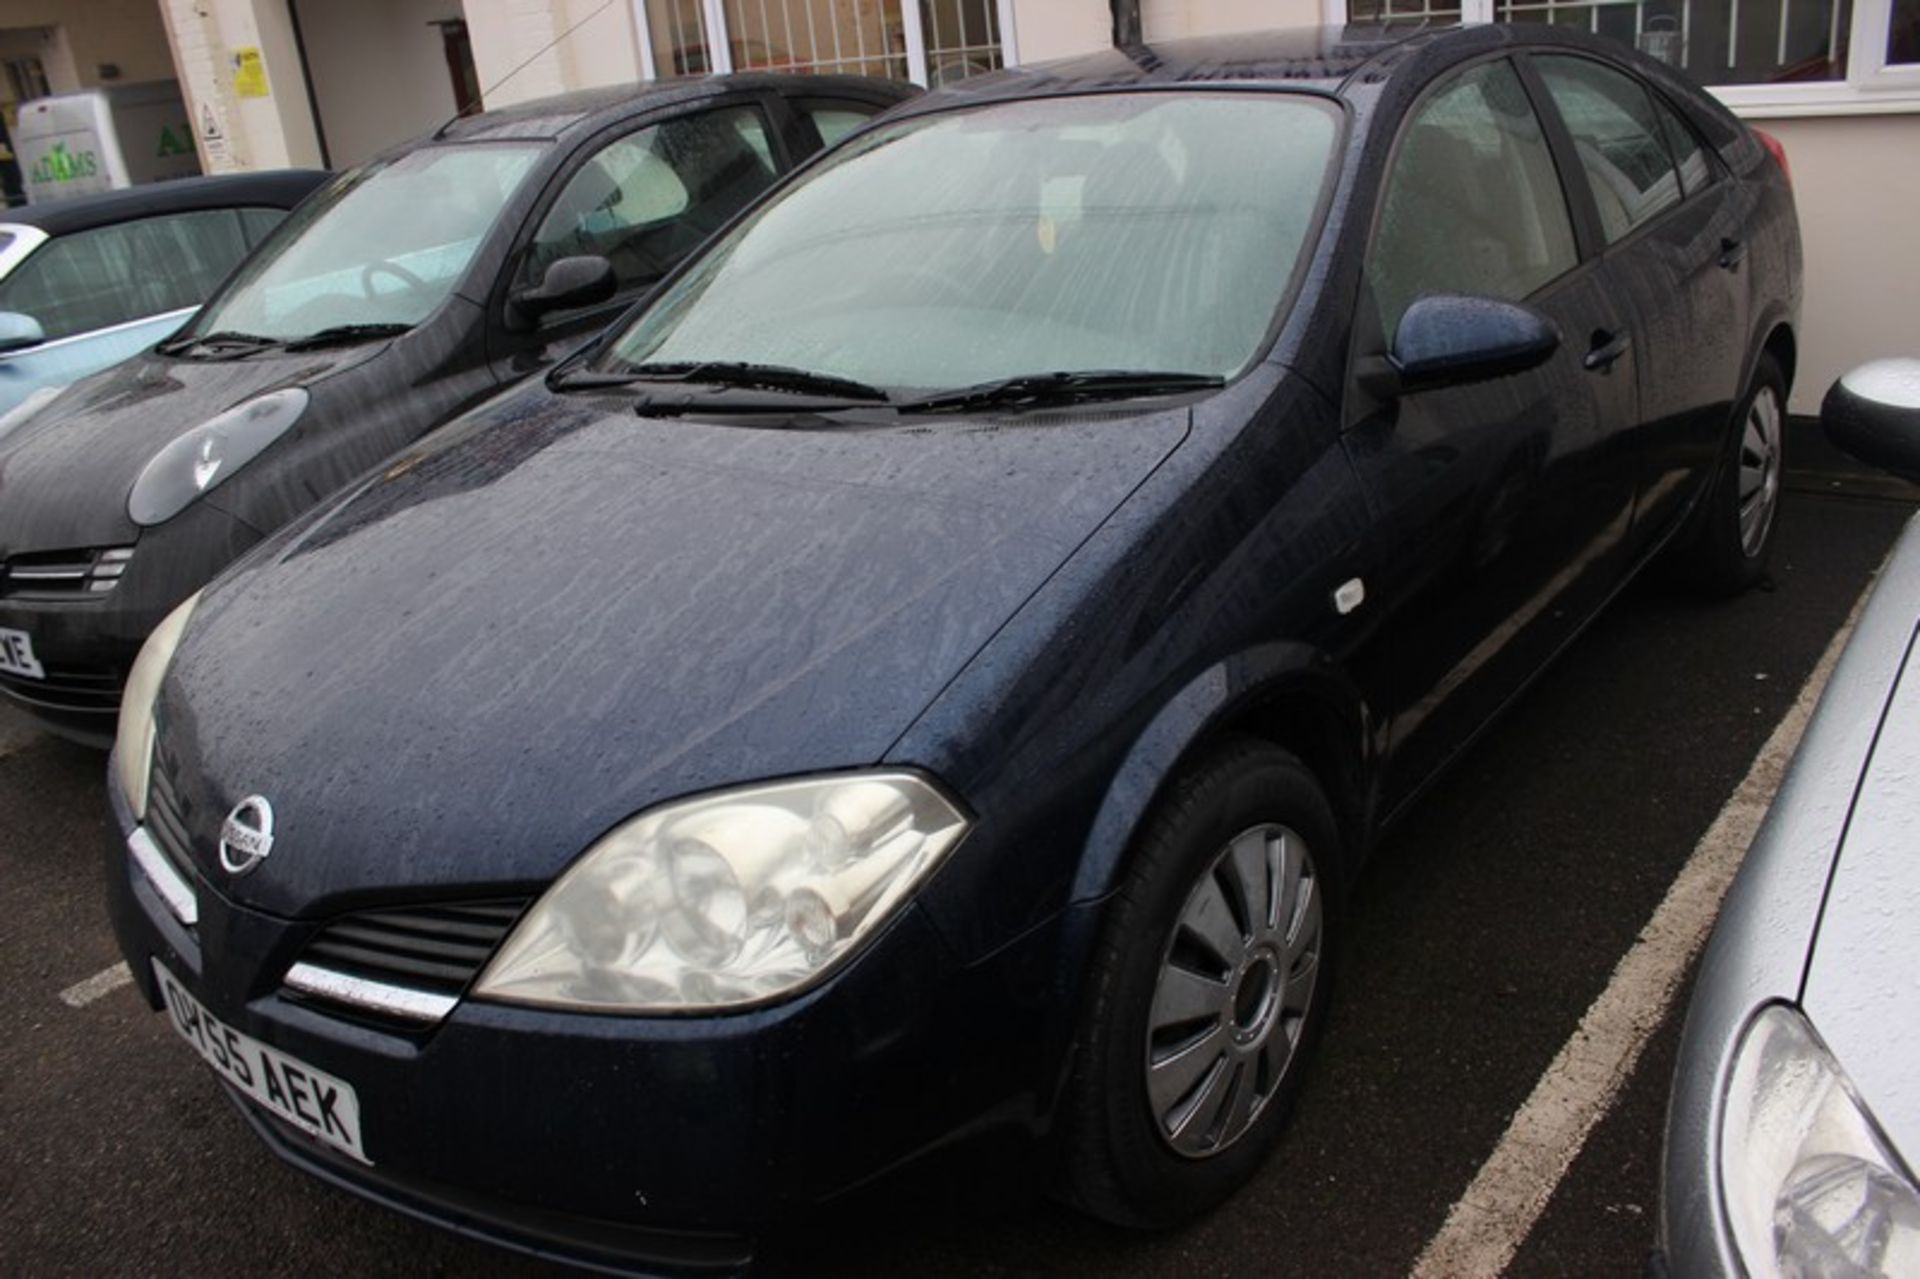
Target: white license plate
(16,654)
(311,1100)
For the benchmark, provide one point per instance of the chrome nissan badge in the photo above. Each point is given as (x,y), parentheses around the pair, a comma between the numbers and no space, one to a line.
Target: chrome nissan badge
(246,837)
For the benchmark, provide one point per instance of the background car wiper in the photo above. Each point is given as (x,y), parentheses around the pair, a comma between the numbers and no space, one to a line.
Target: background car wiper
(1035,389)
(226,341)
(766,377)
(341,334)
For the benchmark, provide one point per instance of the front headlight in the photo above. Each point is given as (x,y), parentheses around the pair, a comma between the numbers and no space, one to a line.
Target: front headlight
(133,743)
(729,899)
(1809,1186)
(193,463)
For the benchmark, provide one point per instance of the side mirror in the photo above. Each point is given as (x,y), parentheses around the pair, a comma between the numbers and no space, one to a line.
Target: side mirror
(1873,413)
(570,282)
(1447,340)
(18,331)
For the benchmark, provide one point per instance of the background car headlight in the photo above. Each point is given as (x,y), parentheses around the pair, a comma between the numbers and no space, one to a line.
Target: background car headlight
(1809,1185)
(133,742)
(196,461)
(727,899)
(19,413)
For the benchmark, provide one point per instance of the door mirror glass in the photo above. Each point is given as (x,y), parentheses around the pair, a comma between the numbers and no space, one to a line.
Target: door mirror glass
(1450,339)
(583,280)
(1874,414)
(18,331)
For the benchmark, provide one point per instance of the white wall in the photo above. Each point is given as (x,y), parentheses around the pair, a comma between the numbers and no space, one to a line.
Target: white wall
(594,48)
(1048,29)
(271,132)
(1171,19)
(1856,180)
(379,71)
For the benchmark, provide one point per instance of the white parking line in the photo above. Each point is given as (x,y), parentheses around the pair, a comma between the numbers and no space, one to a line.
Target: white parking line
(1488,1223)
(104,982)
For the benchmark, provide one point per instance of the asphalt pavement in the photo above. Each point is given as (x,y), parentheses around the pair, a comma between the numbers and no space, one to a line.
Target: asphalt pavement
(1478,936)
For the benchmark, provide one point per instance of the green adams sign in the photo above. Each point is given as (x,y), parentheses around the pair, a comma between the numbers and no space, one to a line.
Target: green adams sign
(61,165)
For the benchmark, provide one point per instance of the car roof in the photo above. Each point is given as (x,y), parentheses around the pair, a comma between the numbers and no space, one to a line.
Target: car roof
(589,110)
(278,188)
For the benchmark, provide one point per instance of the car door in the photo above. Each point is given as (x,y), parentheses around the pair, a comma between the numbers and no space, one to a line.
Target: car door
(643,198)
(1675,251)
(1502,504)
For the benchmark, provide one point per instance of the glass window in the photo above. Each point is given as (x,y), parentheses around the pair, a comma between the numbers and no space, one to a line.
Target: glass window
(1618,138)
(384,245)
(257,222)
(846,37)
(1715,42)
(836,120)
(1395,13)
(110,275)
(646,200)
(1473,204)
(1696,171)
(962,39)
(1903,33)
(1154,232)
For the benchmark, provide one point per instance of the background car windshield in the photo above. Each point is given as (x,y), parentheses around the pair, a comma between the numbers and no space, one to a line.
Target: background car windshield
(1149,232)
(385,245)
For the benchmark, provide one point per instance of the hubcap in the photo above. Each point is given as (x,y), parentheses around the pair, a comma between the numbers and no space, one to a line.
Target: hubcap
(1759,493)
(1234,987)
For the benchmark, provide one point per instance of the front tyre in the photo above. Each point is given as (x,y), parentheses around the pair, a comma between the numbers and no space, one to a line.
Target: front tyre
(1206,990)
(1729,552)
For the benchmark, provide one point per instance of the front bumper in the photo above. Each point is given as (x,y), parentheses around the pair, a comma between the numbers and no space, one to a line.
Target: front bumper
(624,1142)
(87,643)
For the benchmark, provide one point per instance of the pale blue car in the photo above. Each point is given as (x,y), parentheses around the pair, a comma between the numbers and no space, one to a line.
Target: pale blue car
(90,281)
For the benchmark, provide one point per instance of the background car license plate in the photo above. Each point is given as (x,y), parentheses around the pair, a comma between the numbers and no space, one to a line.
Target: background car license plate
(311,1100)
(16,654)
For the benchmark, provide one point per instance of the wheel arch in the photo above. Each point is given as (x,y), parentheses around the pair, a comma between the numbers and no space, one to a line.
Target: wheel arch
(1287,694)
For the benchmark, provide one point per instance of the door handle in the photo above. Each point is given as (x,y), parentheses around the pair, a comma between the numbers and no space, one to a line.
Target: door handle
(1732,253)
(1607,347)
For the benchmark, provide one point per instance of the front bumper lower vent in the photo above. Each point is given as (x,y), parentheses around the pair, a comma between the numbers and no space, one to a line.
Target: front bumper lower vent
(64,574)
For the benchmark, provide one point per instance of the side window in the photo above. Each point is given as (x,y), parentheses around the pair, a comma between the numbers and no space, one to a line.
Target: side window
(1618,138)
(646,200)
(257,222)
(1696,171)
(113,274)
(835,120)
(1473,203)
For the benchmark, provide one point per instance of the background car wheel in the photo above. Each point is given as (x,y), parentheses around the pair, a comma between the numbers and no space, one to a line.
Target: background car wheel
(1206,990)
(1727,552)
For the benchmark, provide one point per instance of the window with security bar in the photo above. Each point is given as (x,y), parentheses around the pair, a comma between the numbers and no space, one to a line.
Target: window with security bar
(932,42)
(1763,52)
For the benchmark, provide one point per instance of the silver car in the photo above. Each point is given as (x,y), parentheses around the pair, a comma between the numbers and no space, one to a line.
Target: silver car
(89,281)
(1795,1118)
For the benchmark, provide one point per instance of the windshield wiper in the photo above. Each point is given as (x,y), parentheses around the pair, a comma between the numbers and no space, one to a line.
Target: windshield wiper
(243,343)
(342,334)
(763,377)
(1032,390)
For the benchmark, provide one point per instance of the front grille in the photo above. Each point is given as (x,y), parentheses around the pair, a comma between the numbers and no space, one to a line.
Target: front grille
(433,948)
(166,815)
(64,574)
(69,688)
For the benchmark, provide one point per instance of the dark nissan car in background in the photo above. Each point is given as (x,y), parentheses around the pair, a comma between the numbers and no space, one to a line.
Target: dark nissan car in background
(410,289)
(936,668)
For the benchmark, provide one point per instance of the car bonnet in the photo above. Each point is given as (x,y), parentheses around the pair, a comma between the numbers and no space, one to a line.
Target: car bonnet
(65,473)
(553,617)
(1862,989)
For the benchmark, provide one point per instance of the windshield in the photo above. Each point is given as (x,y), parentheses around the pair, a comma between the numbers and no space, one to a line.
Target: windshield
(382,246)
(1147,232)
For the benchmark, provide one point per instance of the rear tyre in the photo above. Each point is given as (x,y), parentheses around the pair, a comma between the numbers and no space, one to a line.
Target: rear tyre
(1206,990)
(1728,551)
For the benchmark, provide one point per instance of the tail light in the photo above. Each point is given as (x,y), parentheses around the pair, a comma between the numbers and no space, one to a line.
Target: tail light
(1777,151)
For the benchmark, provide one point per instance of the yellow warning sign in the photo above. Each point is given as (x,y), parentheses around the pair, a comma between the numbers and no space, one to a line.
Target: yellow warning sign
(249,73)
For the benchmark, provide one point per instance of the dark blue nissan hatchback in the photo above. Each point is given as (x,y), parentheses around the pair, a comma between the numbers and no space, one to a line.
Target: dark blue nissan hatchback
(934,668)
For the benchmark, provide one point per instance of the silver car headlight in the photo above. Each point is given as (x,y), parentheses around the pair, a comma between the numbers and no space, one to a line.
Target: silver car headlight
(1808,1184)
(133,742)
(195,462)
(727,899)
